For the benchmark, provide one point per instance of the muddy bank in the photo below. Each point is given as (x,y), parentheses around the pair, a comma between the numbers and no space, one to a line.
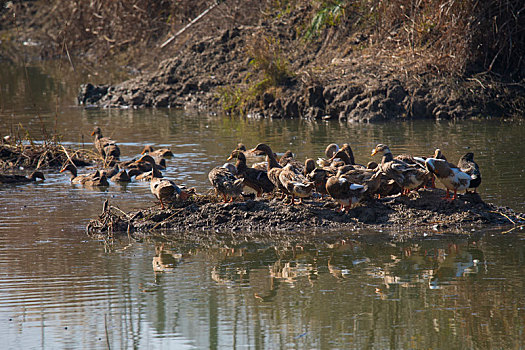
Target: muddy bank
(215,72)
(421,213)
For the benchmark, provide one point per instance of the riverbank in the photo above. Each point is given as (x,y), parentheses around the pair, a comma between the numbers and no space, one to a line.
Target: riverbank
(359,86)
(355,61)
(422,213)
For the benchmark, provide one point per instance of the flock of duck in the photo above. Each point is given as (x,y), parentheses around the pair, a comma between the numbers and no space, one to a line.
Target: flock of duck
(337,175)
(340,177)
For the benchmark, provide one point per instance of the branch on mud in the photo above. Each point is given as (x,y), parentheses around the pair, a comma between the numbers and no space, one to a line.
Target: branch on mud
(164,44)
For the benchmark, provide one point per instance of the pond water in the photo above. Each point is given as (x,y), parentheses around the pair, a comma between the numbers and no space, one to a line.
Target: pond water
(60,289)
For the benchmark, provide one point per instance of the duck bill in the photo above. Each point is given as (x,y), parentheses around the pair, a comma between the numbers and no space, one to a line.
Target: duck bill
(229,158)
(374,152)
(93,133)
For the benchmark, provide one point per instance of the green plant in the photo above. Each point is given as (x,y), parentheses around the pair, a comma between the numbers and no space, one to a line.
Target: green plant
(329,14)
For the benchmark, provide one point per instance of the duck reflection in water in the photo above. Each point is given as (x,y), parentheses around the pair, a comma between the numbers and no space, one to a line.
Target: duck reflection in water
(165,260)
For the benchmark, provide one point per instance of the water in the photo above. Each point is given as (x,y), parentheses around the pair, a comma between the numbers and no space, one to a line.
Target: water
(59,289)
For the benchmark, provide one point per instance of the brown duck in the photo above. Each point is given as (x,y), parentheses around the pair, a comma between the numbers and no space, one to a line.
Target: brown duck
(289,158)
(144,165)
(148,175)
(121,176)
(95,179)
(407,176)
(296,184)
(157,153)
(163,189)
(329,152)
(273,167)
(343,191)
(20,179)
(225,183)
(254,178)
(105,146)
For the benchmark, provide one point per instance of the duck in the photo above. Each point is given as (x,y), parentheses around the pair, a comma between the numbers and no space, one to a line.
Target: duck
(319,176)
(241,147)
(316,175)
(232,168)
(95,179)
(105,146)
(296,184)
(254,178)
(329,152)
(145,163)
(225,183)
(407,176)
(121,176)
(111,172)
(273,168)
(289,158)
(348,150)
(467,165)
(309,166)
(248,153)
(146,175)
(372,178)
(20,179)
(451,177)
(343,191)
(164,190)
(157,153)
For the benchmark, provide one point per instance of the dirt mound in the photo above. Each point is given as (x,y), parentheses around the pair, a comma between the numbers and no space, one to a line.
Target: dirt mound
(421,212)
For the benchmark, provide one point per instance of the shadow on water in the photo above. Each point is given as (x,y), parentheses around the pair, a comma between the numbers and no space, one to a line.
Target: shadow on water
(58,288)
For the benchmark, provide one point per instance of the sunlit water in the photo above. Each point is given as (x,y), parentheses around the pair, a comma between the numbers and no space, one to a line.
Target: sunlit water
(59,289)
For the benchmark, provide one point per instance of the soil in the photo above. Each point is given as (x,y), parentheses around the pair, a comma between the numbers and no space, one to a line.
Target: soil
(421,213)
(325,82)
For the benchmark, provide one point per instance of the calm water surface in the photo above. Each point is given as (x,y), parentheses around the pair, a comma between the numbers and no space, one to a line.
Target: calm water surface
(59,289)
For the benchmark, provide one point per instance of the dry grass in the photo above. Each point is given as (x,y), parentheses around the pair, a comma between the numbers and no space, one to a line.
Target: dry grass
(449,35)
(453,36)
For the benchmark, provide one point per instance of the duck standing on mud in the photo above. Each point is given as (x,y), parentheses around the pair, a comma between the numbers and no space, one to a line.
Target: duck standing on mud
(165,190)
(225,183)
(469,166)
(295,183)
(273,167)
(407,176)
(343,191)
(254,178)
(451,177)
